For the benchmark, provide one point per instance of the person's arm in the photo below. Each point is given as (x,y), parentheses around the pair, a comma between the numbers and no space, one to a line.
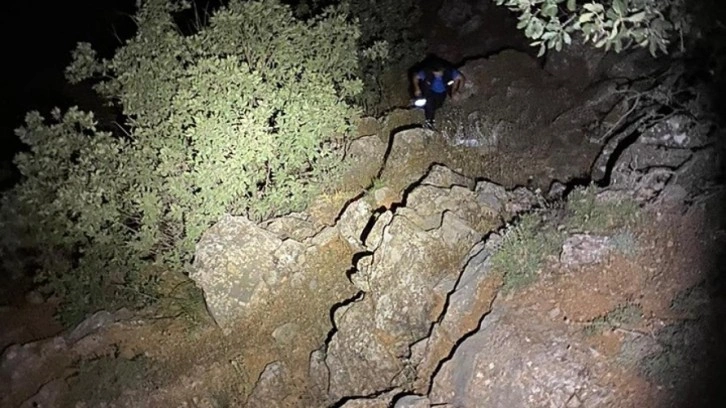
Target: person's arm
(458,82)
(416,87)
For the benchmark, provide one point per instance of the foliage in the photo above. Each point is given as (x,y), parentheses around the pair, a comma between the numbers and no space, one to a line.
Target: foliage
(612,24)
(625,242)
(244,116)
(526,244)
(621,316)
(70,213)
(587,212)
(523,250)
(389,44)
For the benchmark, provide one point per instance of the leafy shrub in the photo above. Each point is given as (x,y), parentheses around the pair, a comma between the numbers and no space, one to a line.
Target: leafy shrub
(586,212)
(616,24)
(523,250)
(390,43)
(246,116)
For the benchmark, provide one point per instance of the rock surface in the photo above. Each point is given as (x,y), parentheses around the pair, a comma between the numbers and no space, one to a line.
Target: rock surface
(34,373)
(491,115)
(511,363)
(270,390)
(406,282)
(584,249)
(238,264)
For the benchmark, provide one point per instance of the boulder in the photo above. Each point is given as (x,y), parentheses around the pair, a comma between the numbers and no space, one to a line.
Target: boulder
(577,63)
(455,13)
(412,401)
(238,264)
(380,401)
(297,226)
(678,131)
(583,249)
(33,374)
(444,177)
(353,222)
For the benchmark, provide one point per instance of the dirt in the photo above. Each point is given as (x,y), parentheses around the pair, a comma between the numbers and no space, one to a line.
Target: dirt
(675,253)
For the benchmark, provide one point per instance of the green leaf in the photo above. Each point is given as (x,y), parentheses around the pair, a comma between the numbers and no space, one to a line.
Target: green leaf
(594,7)
(571,5)
(637,17)
(535,28)
(549,10)
(542,49)
(523,22)
(585,17)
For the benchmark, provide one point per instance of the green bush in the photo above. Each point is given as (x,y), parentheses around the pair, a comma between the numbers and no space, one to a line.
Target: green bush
(390,43)
(588,213)
(247,115)
(524,249)
(616,24)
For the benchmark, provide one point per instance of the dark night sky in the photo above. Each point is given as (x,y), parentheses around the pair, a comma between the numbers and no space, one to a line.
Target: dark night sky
(38,38)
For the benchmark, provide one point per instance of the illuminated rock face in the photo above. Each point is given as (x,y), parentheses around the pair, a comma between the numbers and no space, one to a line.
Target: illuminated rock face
(503,366)
(417,255)
(237,265)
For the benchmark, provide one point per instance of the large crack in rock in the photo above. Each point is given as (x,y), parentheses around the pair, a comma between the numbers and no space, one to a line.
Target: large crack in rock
(414,265)
(470,300)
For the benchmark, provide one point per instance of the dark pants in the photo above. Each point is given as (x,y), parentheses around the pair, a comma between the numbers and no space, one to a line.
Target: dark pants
(434,100)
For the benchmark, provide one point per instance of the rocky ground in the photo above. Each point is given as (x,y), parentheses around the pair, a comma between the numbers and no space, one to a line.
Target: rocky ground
(471,267)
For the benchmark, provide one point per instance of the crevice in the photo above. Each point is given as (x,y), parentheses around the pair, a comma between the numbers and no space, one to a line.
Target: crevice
(389,147)
(574,183)
(417,183)
(404,394)
(375,395)
(356,258)
(617,151)
(458,343)
(445,308)
(347,204)
(370,224)
(601,169)
(358,296)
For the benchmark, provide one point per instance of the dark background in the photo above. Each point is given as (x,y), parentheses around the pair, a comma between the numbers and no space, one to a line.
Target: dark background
(38,38)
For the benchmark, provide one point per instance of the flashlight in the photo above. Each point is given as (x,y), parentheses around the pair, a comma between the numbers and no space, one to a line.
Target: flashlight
(420,102)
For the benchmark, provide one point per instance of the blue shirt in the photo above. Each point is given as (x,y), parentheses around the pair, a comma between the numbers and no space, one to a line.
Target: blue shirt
(437,84)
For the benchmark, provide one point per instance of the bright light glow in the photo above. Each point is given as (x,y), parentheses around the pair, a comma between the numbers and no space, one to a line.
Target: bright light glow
(420,102)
